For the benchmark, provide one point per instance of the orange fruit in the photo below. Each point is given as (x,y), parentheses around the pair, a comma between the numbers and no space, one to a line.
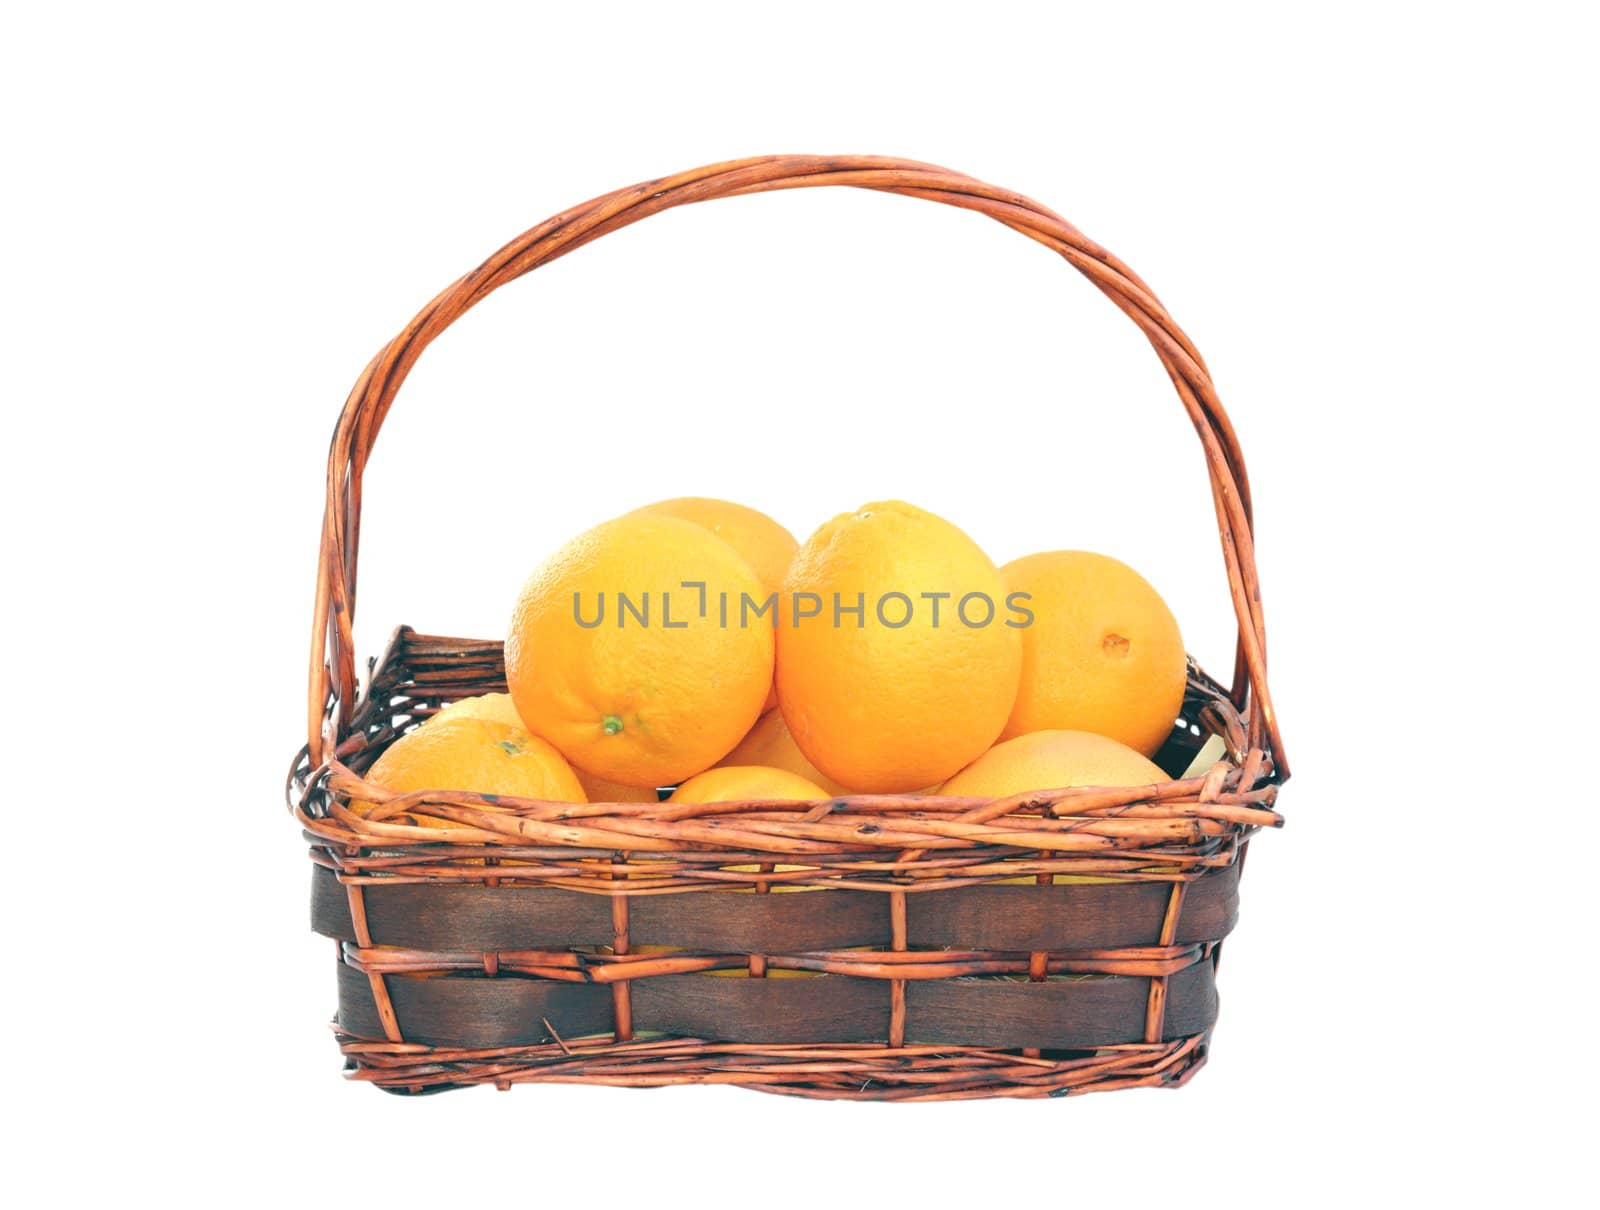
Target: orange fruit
(1102,654)
(764,544)
(598,789)
(632,652)
(761,542)
(923,679)
(738,783)
(1051,760)
(496,707)
(770,744)
(473,754)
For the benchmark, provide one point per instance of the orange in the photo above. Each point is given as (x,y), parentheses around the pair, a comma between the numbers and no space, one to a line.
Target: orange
(1051,760)
(496,707)
(764,544)
(923,679)
(631,650)
(473,754)
(598,789)
(1103,653)
(769,743)
(738,783)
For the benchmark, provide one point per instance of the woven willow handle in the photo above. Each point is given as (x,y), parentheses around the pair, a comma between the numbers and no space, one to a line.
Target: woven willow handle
(332,647)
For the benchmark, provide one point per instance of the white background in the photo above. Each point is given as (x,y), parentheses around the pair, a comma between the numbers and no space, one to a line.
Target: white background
(1376,221)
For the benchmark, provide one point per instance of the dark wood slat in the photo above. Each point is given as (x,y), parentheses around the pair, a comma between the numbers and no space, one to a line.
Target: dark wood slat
(475,1012)
(1008,918)
(827,1008)
(446,918)
(1058,1014)
(783,923)
(1071,917)
(1061,1014)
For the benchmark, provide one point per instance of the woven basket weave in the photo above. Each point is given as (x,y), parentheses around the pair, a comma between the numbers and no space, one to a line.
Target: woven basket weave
(501,947)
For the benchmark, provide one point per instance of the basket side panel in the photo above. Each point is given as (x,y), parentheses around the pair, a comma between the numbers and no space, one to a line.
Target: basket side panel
(431,916)
(1071,916)
(1056,1015)
(1025,918)
(459,1012)
(1068,917)
(781,923)
(826,1008)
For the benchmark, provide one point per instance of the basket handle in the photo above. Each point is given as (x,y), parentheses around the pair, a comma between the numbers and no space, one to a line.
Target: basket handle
(332,679)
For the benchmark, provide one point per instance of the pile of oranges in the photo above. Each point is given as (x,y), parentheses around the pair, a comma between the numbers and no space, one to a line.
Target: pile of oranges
(694,648)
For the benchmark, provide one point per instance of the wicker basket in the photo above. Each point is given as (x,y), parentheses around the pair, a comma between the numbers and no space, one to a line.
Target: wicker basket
(501,950)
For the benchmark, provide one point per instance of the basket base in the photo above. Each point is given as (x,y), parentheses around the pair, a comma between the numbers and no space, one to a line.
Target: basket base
(850,1072)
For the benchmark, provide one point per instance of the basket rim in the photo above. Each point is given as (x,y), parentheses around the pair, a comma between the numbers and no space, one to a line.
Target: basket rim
(1170,830)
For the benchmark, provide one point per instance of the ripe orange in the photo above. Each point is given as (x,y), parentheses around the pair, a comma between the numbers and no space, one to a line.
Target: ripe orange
(769,743)
(764,544)
(599,789)
(737,783)
(499,708)
(673,673)
(923,680)
(1103,653)
(473,754)
(496,707)
(1051,760)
